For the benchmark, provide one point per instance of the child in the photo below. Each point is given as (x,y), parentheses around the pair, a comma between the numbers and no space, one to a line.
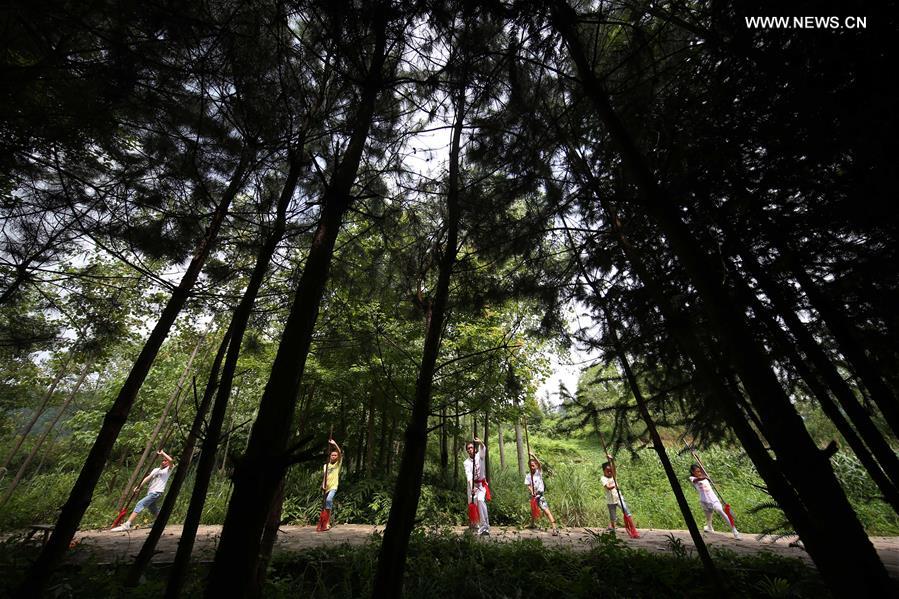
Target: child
(331,474)
(708,500)
(534,482)
(157,478)
(477,485)
(613,497)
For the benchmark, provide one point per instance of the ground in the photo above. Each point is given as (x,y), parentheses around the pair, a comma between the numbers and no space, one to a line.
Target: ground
(111,547)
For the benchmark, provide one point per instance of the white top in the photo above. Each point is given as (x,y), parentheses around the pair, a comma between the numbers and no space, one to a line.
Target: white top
(611,494)
(478,473)
(704,488)
(538,481)
(158,478)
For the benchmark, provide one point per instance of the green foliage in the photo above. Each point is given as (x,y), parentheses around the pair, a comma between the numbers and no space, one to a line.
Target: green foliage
(444,565)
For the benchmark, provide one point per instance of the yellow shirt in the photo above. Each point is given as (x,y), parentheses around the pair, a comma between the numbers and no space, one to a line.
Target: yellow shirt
(333,474)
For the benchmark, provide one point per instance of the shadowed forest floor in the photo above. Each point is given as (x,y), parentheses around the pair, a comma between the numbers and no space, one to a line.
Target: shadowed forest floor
(109,547)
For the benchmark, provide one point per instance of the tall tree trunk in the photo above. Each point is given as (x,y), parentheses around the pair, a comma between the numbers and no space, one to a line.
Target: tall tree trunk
(370,440)
(444,444)
(502,450)
(238,326)
(486,444)
(360,442)
(382,447)
(229,431)
(392,557)
(176,394)
(456,448)
(814,533)
(391,445)
(37,414)
(878,472)
(259,473)
(148,549)
(808,469)
(45,454)
(267,546)
(519,449)
(826,370)
(843,332)
(80,496)
(659,447)
(717,391)
(43,437)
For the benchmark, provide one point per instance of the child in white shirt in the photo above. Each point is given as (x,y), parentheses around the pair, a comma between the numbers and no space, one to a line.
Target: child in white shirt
(708,499)
(477,484)
(534,482)
(157,478)
(614,499)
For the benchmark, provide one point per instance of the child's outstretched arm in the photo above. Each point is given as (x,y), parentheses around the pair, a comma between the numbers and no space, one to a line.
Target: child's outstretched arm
(483,449)
(337,447)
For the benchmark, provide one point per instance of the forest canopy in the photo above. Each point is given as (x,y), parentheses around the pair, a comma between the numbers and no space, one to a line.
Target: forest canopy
(238,231)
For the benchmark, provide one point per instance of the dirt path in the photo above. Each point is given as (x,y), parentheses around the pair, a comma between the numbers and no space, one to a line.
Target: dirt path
(122,547)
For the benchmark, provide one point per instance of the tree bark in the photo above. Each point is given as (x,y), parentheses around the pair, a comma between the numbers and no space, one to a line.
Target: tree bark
(382,448)
(80,496)
(259,473)
(392,557)
(808,469)
(229,433)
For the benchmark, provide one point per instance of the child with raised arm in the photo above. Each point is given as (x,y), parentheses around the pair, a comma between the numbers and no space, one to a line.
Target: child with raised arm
(157,478)
(533,480)
(477,484)
(331,475)
(709,501)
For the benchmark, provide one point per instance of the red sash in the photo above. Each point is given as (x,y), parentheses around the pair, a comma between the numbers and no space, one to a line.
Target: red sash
(483,483)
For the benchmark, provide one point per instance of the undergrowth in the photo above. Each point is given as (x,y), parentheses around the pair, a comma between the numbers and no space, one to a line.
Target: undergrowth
(445,565)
